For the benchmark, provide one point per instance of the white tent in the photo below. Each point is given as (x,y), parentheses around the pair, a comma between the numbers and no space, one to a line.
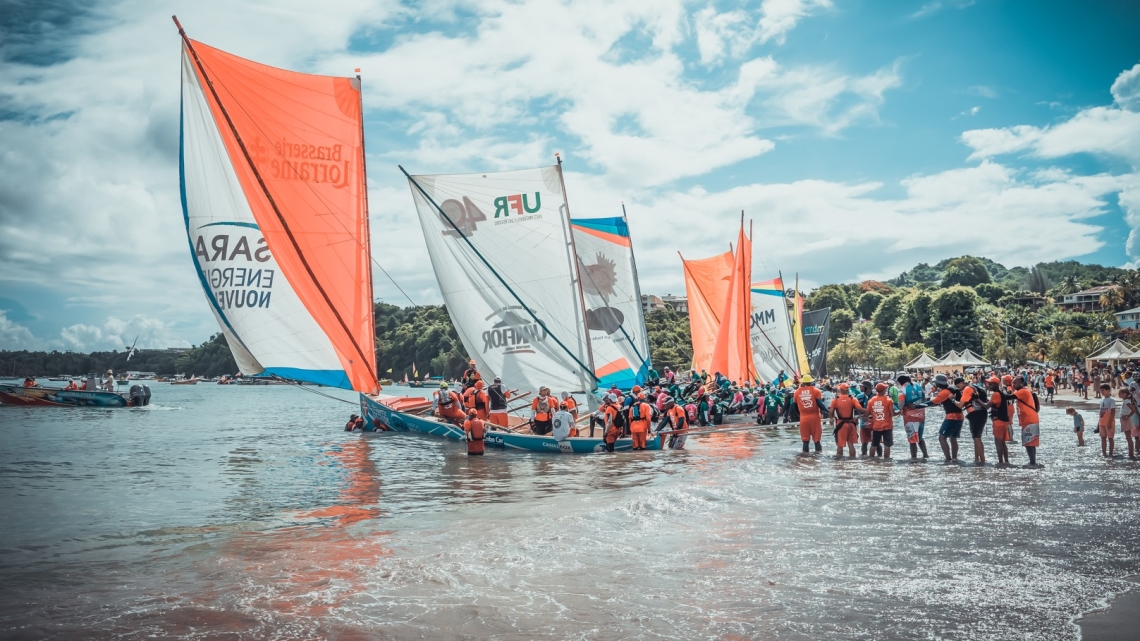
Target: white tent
(970,359)
(1116,351)
(924,361)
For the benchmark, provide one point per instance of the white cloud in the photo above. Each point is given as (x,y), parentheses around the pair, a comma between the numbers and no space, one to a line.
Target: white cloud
(14,336)
(780,16)
(118,334)
(1126,89)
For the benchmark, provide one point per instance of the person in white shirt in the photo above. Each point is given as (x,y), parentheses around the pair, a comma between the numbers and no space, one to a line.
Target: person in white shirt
(563,422)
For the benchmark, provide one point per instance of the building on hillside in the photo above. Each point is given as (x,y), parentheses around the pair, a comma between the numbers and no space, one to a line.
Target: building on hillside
(1129,318)
(680,304)
(1087,300)
(1032,301)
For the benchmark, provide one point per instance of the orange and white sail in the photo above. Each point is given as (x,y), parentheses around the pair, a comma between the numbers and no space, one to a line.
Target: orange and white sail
(275,206)
(707,281)
(732,353)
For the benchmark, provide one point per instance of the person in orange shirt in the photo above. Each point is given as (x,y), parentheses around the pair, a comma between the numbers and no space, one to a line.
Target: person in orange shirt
(974,405)
(807,399)
(675,420)
(1050,386)
(882,412)
(1027,408)
(544,406)
(612,430)
(952,425)
(447,404)
(475,430)
(571,404)
(843,411)
(476,399)
(640,414)
(999,414)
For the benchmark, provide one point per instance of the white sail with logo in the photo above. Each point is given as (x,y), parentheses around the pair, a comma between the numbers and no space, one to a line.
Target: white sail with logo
(613,303)
(773,348)
(501,248)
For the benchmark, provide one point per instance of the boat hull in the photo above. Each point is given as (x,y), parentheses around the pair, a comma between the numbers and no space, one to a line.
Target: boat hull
(47,397)
(379,417)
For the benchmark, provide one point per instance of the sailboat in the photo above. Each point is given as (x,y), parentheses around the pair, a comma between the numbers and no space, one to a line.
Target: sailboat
(274,198)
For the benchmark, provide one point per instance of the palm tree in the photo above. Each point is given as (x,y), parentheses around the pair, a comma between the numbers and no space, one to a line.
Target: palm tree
(1111,299)
(1070,285)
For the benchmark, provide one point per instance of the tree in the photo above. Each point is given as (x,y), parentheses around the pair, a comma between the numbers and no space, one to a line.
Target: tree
(833,296)
(1037,281)
(670,343)
(966,270)
(888,313)
(842,321)
(868,303)
(1112,299)
(991,292)
(915,319)
(1070,285)
(954,320)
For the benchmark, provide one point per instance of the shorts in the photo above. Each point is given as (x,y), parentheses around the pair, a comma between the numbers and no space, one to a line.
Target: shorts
(951,428)
(864,435)
(1031,435)
(1107,431)
(847,434)
(913,430)
(1001,431)
(811,428)
(543,427)
(977,422)
(1077,429)
(886,437)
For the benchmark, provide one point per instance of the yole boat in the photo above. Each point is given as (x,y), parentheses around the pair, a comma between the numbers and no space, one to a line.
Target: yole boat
(274,200)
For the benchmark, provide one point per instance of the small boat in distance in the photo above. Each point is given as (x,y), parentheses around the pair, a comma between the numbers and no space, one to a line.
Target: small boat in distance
(37,396)
(193,380)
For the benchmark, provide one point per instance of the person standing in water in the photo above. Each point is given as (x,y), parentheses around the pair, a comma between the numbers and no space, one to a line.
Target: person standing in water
(912,400)
(881,410)
(475,430)
(1027,418)
(843,411)
(1078,425)
(1106,425)
(974,403)
(1128,420)
(807,399)
(640,414)
(999,414)
(952,425)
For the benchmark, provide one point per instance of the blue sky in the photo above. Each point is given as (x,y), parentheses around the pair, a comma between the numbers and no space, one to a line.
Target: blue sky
(861,137)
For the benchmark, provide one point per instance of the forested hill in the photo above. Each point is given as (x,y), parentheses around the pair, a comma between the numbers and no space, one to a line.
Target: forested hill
(964,302)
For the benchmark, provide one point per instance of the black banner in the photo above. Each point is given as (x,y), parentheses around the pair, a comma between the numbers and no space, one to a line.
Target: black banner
(816,326)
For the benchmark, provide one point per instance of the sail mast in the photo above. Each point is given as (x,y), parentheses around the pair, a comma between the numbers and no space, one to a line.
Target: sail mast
(646,360)
(368,230)
(269,196)
(483,259)
(568,235)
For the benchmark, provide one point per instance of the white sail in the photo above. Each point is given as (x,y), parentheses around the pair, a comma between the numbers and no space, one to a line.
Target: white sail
(773,348)
(503,238)
(613,304)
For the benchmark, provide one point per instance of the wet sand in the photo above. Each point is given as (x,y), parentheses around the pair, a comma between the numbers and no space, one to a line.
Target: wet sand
(1118,623)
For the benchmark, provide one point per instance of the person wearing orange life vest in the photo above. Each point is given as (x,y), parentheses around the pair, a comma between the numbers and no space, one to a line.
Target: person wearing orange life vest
(612,429)
(447,404)
(843,411)
(1000,418)
(1027,418)
(544,406)
(474,398)
(811,420)
(951,428)
(475,431)
(71,385)
(571,404)
(676,420)
(498,397)
(881,410)
(470,375)
(640,414)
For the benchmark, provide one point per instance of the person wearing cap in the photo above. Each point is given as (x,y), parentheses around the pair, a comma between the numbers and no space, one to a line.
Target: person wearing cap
(497,397)
(109,381)
(912,400)
(811,420)
(446,403)
(1007,388)
(474,430)
(881,410)
(612,430)
(474,398)
(675,420)
(951,428)
(639,416)
(1027,418)
(470,375)
(563,423)
(544,406)
(1000,417)
(843,411)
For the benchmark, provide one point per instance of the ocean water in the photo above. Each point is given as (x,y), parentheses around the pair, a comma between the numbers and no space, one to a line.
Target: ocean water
(225,512)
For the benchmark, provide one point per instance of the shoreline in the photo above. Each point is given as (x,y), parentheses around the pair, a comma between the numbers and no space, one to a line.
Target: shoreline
(1116,621)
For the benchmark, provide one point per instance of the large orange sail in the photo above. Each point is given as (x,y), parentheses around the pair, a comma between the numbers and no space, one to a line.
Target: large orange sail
(706,287)
(732,354)
(295,143)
